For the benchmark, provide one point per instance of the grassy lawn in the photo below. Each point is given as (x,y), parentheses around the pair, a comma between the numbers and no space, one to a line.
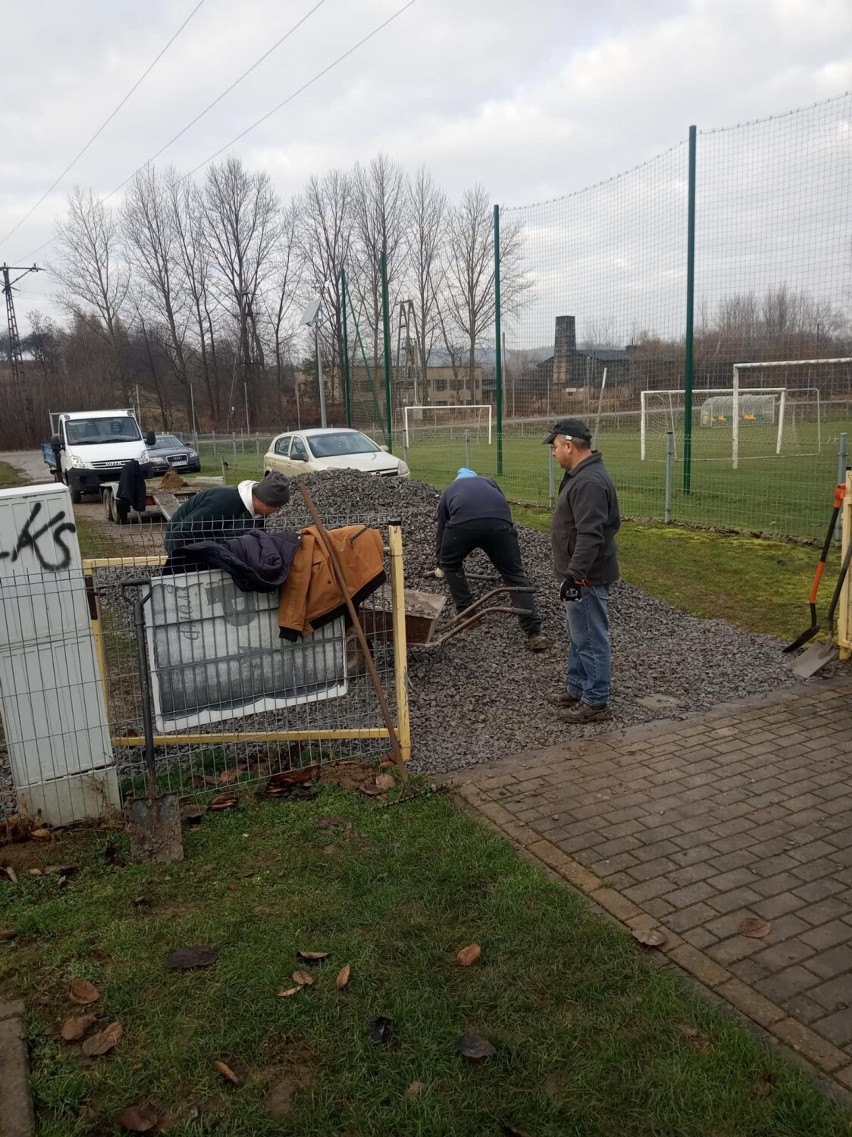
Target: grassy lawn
(786,496)
(759,585)
(590,1039)
(9,476)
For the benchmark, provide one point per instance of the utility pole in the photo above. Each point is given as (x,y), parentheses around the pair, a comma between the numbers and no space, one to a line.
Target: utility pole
(15,357)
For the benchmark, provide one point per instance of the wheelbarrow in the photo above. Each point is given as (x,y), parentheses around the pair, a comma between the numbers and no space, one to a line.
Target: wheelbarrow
(423,610)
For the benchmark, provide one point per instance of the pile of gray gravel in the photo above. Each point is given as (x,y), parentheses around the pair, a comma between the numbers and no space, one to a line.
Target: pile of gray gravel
(482,695)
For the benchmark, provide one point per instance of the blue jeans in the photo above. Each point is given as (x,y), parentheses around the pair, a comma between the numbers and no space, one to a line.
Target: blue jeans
(589,659)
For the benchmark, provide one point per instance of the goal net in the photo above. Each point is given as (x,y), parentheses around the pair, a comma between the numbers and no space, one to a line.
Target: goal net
(731,424)
(434,423)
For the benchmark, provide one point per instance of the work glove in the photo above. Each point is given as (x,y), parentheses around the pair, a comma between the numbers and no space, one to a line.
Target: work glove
(571,589)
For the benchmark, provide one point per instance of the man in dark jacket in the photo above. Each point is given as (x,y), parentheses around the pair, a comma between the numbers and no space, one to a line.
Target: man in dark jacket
(226,511)
(473,514)
(583,529)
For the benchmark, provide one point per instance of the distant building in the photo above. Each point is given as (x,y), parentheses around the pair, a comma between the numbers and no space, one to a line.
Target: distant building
(571,368)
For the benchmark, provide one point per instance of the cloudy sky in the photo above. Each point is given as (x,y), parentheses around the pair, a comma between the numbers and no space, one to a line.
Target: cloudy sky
(532,100)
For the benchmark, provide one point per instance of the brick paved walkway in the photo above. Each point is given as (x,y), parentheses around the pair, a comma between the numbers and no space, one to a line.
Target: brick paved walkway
(694,826)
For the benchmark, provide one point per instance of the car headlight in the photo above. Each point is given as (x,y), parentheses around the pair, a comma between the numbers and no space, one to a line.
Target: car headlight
(78,463)
(403,468)
(192,453)
(144,456)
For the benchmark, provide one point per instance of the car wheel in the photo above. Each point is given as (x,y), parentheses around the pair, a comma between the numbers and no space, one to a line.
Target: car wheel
(109,504)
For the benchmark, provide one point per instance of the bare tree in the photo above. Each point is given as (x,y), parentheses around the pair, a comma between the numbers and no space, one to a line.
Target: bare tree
(379,208)
(242,219)
(468,295)
(427,212)
(188,219)
(91,270)
(282,297)
(325,236)
(159,274)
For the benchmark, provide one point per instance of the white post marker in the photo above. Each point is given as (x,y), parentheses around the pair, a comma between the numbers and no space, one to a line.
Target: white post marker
(51,692)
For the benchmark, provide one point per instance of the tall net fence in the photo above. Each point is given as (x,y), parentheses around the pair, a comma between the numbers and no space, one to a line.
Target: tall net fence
(601,333)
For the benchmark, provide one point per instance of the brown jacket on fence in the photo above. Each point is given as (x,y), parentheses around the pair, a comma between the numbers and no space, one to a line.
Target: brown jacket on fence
(311,596)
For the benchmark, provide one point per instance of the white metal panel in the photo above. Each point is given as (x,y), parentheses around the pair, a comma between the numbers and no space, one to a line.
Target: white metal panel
(53,711)
(215,653)
(41,575)
(51,694)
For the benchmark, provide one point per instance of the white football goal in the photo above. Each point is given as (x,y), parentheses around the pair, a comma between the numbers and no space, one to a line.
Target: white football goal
(430,421)
(740,422)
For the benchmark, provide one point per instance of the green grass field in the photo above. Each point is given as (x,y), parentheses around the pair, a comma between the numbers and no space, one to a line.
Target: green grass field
(783,496)
(590,1038)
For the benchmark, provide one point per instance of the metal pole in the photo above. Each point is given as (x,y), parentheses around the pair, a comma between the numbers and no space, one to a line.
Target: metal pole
(347,374)
(320,383)
(498,359)
(214,443)
(842,462)
(386,338)
(551,487)
(667,512)
(467,449)
(690,315)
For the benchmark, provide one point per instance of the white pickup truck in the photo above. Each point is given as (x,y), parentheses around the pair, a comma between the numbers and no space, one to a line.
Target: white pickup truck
(89,448)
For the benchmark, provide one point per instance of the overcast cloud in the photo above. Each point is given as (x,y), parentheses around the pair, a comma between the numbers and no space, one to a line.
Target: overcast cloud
(532,100)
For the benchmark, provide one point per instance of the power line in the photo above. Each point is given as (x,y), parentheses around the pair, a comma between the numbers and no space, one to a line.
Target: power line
(104,124)
(276,108)
(218,98)
(304,87)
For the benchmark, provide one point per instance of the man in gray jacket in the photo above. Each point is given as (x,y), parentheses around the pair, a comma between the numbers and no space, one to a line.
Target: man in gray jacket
(583,529)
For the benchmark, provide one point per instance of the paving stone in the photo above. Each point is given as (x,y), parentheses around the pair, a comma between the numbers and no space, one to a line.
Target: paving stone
(828,935)
(832,962)
(747,1000)
(734,948)
(738,898)
(835,995)
(836,1027)
(784,984)
(778,956)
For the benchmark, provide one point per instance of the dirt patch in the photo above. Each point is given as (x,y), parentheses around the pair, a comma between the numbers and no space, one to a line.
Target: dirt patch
(349,775)
(284,1086)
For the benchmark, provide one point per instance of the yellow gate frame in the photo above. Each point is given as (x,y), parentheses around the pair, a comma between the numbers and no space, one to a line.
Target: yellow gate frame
(844,620)
(400,645)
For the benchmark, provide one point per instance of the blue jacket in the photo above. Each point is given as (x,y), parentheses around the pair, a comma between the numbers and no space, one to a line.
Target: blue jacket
(470,499)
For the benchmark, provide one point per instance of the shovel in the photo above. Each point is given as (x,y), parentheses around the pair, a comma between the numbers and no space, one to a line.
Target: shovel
(809,633)
(154,821)
(818,655)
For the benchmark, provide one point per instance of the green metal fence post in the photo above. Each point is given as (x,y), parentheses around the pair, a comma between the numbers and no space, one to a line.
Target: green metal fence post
(347,373)
(498,357)
(386,334)
(690,314)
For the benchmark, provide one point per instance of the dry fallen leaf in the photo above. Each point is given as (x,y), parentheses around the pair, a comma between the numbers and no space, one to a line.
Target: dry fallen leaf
(40,834)
(7,933)
(137,1118)
(303,978)
(10,873)
(649,937)
(475,1048)
(510,1130)
(82,992)
(103,1041)
(756,928)
(343,976)
(290,991)
(385,782)
(74,1029)
(187,957)
(228,776)
(223,801)
(35,872)
(415,1090)
(313,956)
(225,1070)
(469,955)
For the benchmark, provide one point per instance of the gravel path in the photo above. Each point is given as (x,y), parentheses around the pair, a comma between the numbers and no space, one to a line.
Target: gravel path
(482,695)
